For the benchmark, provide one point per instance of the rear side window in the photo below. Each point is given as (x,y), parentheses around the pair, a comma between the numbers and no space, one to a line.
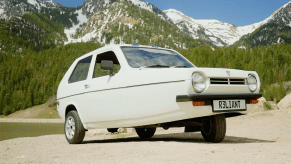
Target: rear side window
(81,70)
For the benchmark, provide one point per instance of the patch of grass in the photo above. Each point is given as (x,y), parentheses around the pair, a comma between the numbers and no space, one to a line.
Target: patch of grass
(1,116)
(267,106)
(51,115)
(40,111)
(14,130)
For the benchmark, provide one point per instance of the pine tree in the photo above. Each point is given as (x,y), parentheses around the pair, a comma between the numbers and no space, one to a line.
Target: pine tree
(281,92)
(29,98)
(267,94)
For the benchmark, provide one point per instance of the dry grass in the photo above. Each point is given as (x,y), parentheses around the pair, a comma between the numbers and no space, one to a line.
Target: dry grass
(40,111)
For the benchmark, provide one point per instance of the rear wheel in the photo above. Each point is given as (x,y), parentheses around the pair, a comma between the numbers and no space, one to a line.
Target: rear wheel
(74,129)
(213,128)
(145,132)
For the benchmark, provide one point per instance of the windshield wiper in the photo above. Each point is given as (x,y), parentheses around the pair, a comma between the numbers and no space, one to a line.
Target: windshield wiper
(157,66)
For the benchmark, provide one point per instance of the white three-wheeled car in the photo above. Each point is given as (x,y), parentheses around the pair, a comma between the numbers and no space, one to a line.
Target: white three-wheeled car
(146,87)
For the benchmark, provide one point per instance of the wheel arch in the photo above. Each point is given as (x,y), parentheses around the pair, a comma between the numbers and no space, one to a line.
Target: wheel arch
(72,107)
(69,108)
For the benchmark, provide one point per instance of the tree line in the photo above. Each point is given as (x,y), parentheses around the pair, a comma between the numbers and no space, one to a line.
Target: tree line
(33,78)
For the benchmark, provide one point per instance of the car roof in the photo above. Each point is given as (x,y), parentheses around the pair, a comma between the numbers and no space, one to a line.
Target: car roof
(133,45)
(118,46)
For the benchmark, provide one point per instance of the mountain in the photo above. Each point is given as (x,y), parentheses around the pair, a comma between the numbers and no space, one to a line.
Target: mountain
(211,31)
(72,18)
(124,22)
(90,7)
(274,30)
(56,12)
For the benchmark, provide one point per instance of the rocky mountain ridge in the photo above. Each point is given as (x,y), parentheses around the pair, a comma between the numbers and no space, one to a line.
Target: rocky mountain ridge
(124,22)
(275,30)
(213,32)
(220,33)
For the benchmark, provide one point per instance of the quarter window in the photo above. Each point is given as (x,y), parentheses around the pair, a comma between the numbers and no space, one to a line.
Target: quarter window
(81,70)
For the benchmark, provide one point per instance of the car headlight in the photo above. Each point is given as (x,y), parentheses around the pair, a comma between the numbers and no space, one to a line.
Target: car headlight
(252,83)
(198,82)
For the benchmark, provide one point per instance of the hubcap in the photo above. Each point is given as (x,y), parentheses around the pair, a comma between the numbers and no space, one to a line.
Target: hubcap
(70,127)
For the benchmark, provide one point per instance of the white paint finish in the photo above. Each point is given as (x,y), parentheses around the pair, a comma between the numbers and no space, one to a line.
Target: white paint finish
(153,100)
(186,111)
(105,100)
(135,97)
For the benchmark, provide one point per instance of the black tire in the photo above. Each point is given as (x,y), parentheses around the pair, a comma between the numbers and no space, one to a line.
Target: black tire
(213,128)
(192,129)
(112,130)
(74,129)
(145,132)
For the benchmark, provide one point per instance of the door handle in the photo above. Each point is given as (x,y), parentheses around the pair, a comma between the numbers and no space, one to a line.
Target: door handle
(87,86)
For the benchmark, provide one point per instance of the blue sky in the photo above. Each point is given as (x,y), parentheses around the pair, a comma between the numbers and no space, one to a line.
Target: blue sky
(237,12)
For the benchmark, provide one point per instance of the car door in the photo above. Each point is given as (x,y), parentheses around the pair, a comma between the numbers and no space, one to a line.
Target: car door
(78,79)
(105,98)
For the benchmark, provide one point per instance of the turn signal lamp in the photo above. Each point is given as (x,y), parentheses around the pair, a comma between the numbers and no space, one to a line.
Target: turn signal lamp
(254,101)
(198,103)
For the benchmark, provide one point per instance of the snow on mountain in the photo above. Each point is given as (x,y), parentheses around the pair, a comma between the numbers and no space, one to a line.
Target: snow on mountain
(213,32)
(90,7)
(244,30)
(214,29)
(273,30)
(82,18)
(33,2)
(148,6)
(220,33)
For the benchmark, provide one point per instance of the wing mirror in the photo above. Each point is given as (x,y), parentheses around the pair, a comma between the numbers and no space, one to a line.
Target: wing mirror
(107,65)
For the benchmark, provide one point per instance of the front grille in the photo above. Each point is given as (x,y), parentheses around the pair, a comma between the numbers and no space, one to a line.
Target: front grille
(227,81)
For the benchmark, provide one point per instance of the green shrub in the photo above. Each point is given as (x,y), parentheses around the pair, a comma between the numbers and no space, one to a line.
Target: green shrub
(267,106)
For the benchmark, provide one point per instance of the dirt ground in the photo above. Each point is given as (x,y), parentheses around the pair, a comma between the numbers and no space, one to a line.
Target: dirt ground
(259,137)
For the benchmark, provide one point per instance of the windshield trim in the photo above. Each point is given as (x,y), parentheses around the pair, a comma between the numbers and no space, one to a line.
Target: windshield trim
(193,66)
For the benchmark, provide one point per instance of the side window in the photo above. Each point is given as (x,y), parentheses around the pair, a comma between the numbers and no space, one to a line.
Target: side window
(81,70)
(105,56)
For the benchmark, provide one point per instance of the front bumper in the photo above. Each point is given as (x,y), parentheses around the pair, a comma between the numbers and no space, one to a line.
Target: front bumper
(208,98)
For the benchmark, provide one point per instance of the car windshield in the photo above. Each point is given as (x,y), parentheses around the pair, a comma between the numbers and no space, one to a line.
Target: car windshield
(138,57)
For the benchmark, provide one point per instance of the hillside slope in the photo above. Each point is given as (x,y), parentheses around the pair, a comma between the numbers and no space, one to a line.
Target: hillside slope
(275,30)
(33,30)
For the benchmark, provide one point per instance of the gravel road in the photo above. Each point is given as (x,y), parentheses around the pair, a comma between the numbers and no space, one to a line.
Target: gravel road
(261,137)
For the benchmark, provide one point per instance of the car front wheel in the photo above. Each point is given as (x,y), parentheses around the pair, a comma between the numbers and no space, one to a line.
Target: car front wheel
(213,128)
(74,129)
(145,132)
